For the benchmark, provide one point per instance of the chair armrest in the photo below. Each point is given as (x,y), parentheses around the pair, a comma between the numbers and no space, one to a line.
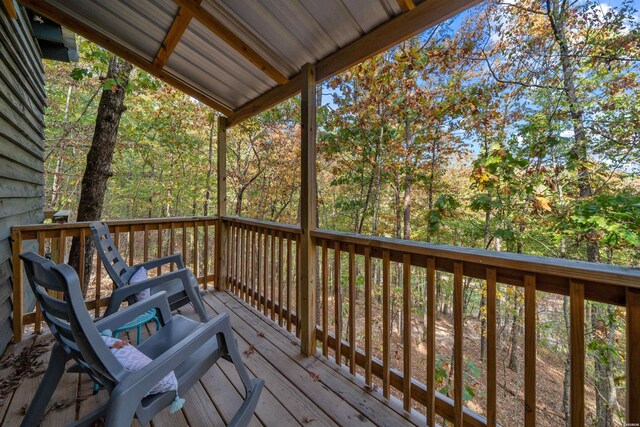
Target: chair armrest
(158,301)
(175,258)
(140,382)
(121,294)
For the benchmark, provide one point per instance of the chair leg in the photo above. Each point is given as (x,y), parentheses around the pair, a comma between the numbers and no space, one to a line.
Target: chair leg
(199,307)
(253,387)
(230,346)
(120,411)
(47,386)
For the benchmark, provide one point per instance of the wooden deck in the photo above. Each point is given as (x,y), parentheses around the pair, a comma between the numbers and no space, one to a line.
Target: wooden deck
(298,391)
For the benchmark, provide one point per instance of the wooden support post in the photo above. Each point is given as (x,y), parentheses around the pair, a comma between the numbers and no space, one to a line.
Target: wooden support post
(308,197)
(633,356)
(221,235)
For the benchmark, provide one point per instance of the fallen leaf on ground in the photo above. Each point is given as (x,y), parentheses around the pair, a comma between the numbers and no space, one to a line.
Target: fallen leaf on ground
(307,420)
(315,376)
(250,350)
(261,334)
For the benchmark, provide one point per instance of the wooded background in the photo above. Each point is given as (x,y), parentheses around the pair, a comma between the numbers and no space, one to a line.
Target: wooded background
(514,127)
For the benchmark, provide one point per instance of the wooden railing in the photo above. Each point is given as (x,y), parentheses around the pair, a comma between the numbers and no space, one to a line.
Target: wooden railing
(263,267)
(138,240)
(579,280)
(356,274)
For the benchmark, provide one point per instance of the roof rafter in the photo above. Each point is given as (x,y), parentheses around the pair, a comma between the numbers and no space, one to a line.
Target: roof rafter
(231,39)
(10,8)
(173,36)
(425,15)
(62,18)
(406,5)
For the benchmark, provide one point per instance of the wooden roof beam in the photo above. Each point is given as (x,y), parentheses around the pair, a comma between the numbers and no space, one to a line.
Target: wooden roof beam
(231,39)
(425,15)
(79,27)
(406,5)
(10,8)
(173,36)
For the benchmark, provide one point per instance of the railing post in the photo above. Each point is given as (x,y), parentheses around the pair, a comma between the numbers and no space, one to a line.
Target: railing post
(308,220)
(221,235)
(16,248)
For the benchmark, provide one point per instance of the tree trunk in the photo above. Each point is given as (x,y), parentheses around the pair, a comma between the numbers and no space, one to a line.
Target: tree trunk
(98,169)
(408,182)
(513,355)
(57,176)
(207,195)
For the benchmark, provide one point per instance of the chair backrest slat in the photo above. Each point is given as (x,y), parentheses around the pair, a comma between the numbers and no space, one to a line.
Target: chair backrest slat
(113,262)
(68,318)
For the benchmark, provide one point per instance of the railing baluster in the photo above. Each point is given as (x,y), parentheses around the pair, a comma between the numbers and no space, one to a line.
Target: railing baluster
(352,309)
(245,262)
(255,267)
(633,356)
(298,286)
(260,275)
(368,344)
(576,301)
(184,244)
(81,262)
(529,350)
(406,329)
(116,236)
(172,243)
(38,324)
(234,273)
(280,246)
(98,285)
(159,249)
(386,323)
(272,292)
(241,249)
(205,263)
(337,301)
(145,245)
(18,321)
(491,347)
(62,246)
(229,266)
(289,282)
(265,264)
(132,246)
(195,250)
(249,259)
(458,332)
(431,341)
(325,299)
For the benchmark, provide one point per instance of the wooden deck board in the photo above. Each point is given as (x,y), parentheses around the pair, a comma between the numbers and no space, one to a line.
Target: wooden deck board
(308,383)
(349,389)
(298,390)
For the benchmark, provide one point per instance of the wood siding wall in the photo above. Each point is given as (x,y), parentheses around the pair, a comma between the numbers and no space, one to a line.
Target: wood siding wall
(22,104)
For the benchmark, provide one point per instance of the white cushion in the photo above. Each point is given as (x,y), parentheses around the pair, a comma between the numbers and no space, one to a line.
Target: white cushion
(134,360)
(139,276)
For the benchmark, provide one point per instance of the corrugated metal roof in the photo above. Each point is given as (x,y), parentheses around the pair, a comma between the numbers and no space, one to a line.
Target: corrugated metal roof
(284,33)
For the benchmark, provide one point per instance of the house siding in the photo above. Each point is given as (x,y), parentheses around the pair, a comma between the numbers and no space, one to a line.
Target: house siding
(22,106)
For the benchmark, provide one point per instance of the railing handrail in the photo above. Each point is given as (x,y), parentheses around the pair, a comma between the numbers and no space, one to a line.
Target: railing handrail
(567,268)
(111,223)
(278,226)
